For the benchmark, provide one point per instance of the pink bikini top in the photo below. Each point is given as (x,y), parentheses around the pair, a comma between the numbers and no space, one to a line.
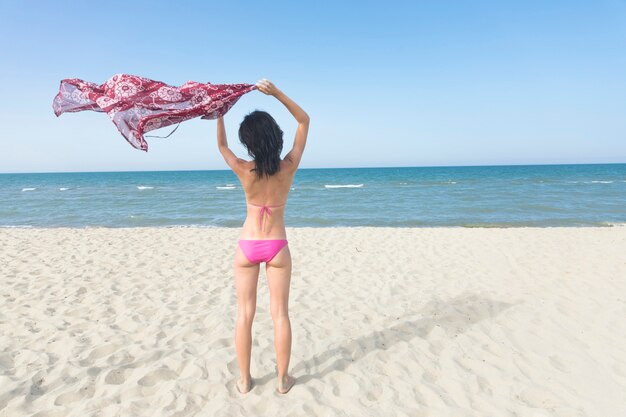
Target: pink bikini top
(262,210)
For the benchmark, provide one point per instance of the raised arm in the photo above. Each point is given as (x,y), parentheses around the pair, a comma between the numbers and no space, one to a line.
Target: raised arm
(222,143)
(295,155)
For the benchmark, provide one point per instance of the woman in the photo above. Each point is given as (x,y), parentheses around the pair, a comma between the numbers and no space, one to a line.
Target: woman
(266,181)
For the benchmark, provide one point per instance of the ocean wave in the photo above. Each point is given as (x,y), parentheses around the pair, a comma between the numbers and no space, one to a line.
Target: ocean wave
(343,185)
(614,224)
(144,187)
(63,189)
(228,187)
(435,183)
(29,189)
(15,226)
(537,224)
(591,182)
(190,226)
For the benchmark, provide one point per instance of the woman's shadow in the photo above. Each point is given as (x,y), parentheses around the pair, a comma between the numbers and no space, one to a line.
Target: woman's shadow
(454,316)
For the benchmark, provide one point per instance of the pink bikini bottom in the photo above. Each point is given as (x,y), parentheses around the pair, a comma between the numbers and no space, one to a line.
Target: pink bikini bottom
(258,251)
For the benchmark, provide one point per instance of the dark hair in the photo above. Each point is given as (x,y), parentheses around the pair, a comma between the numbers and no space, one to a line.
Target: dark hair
(263,139)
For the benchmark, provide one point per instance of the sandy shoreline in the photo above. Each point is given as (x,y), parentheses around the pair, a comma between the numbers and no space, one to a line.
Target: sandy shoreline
(386,321)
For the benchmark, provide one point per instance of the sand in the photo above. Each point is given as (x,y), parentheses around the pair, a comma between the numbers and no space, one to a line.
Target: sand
(457,322)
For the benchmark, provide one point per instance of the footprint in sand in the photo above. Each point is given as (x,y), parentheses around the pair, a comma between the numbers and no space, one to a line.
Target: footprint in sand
(116,377)
(345,388)
(195,299)
(536,397)
(484,386)
(430,377)
(233,367)
(224,342)
(37,388)
(157,376)
(6,361)
(101,351)
(98,353)
(374,393)
(70,397)
(557,364)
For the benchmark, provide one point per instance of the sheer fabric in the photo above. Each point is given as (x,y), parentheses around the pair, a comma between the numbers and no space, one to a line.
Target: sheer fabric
(137,105)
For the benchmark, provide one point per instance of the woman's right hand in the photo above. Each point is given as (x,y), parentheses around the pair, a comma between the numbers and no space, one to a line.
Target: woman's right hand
(265,86)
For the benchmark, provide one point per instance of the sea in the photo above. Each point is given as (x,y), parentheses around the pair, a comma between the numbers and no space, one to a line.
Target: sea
(468,196)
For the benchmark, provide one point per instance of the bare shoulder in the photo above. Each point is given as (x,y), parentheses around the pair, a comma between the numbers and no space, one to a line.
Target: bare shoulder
(246,165)
(288,165)
(245,169)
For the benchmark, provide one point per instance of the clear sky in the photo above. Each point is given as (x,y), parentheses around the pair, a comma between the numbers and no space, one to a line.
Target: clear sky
(414,83)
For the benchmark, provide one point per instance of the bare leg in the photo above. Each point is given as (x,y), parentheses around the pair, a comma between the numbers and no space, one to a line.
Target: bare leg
(246,279)
(279,277)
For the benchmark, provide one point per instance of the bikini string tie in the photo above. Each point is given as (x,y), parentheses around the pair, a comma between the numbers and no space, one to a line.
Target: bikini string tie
(262,211)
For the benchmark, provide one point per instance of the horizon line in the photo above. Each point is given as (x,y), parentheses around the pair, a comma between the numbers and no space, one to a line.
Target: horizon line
(359,167)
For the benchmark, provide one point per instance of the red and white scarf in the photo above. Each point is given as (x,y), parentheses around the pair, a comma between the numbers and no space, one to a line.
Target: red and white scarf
(137,105)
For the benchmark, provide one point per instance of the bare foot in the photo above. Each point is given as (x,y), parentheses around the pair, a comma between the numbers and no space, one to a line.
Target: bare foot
(284,384)
(243,386)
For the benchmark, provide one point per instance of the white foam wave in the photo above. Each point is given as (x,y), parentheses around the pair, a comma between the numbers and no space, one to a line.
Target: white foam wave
(29,189)
(190,226)
(144,187)
(436,183)
(63,189)
(591,182)
(343,185)
(230,187)
(16,226)
(612,224)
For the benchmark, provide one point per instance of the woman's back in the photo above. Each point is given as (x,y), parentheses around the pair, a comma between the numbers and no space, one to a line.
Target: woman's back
(266,198)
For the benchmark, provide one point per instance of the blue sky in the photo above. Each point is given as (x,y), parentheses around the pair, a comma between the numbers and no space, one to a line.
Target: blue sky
(386,84)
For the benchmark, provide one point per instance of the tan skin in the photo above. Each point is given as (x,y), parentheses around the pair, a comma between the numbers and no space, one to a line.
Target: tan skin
(270,191)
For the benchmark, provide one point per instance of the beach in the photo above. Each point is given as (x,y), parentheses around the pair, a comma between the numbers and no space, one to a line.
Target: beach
(386,322)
